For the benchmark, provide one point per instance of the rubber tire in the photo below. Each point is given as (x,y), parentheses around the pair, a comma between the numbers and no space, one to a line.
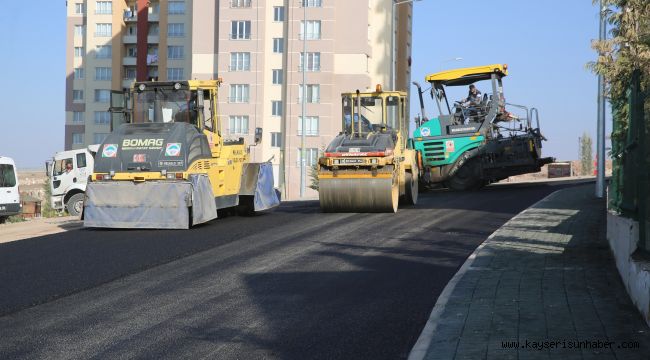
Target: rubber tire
(466,178)
(412,189)
(76,199)
(3,219)
(246,206)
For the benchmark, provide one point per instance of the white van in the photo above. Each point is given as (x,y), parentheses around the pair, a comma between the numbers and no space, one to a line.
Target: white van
(9,194)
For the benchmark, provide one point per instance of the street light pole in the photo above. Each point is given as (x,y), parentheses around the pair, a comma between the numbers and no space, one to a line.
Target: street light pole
(303,151)
(600,140)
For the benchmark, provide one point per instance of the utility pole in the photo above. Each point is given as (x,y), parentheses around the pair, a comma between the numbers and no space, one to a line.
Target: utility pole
(600,139)
(303,151)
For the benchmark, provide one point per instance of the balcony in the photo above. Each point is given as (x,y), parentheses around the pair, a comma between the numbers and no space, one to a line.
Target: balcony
(126,83)
(153,17)
(130,39)
(153,39)
(129,61)
(130,16)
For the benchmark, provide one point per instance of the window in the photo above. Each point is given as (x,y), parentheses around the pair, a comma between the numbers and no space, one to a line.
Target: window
(102,96)
(311,125)
(276,108)
(79,8)
(78,51)
(102,118)
(276,139)
(311,156)
(129,73)
(131,51)
(238,125)
(98,138)
(176,7)
(278,13)
(103,73)
(313,30)
(313,61)
(278,45)
(78,117)
(174,73)
(277,76)
(240,3)
(104,7)
(313,93)
(312,3)
(79,30)
(240,61)
(239,93)
(77,95)
(175,52)
(154,30)
(77,138)
(240,30)
(81,160)
(104,52)
(78,73)
(175,29)
(103,30)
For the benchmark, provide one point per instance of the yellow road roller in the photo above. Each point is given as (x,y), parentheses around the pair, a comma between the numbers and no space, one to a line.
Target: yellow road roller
(369,167)
(166,165)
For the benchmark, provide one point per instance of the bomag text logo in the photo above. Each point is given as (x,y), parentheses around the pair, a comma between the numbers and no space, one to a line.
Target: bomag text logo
(140,144)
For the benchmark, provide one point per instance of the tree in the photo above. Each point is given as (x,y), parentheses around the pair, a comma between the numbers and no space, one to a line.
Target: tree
(586,160)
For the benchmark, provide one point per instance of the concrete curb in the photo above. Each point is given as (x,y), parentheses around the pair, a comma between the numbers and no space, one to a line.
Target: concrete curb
(419,350)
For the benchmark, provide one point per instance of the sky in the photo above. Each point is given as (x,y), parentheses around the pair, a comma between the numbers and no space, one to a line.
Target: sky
(546,45)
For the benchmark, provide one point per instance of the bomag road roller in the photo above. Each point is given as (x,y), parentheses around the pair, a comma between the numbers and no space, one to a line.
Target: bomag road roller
(166,165)
(368,167)
(476,141)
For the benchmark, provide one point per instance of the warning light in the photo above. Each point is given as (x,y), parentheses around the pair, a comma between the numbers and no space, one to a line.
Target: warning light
(378,88)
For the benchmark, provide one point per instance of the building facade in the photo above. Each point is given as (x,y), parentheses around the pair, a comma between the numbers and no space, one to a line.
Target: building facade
(110,44)
(256,47)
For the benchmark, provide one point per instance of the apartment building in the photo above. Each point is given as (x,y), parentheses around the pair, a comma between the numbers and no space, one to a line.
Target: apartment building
(110,44)
(256,47)
(346,45)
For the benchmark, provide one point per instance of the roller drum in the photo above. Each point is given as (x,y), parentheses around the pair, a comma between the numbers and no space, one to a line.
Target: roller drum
(365,194)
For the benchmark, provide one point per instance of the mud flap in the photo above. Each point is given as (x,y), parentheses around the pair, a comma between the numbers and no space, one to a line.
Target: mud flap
(149,205)
(257,181)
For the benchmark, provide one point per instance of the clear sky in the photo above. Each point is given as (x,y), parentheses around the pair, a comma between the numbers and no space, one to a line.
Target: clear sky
(545,43)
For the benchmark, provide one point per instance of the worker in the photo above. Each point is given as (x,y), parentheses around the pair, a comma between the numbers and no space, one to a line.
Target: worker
(474,96)
(68,167)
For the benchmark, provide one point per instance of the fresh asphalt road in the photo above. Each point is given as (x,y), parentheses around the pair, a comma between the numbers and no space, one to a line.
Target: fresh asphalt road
(292,284)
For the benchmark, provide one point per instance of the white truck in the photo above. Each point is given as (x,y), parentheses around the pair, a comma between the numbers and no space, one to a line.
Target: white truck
(9,193)
(68,173)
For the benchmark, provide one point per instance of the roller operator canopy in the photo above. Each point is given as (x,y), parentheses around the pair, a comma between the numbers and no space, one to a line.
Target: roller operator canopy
(466,76)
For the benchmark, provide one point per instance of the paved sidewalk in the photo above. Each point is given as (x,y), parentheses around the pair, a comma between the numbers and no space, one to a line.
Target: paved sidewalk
(546,276)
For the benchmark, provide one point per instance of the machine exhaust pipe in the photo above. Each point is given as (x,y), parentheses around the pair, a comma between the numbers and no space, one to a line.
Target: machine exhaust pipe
(424,115)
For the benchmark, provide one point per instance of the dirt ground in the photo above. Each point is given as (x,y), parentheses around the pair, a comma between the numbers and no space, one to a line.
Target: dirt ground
(543,174)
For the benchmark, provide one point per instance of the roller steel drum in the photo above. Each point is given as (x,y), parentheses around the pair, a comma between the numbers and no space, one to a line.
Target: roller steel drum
(364,194)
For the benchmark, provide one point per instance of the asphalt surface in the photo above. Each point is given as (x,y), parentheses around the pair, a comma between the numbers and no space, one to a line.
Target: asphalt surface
(292,284)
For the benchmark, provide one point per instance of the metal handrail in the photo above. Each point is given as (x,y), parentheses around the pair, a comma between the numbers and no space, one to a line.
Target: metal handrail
(536,112)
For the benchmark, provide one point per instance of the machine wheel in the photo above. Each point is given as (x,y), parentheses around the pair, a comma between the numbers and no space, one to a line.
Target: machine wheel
(75,205)
(246,206)
(412,188)
(467,177)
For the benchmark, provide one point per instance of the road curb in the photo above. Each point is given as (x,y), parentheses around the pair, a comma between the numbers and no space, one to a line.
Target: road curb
(419,350)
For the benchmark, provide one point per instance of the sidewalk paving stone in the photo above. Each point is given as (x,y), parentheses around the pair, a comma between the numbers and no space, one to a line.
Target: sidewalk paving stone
(546,276)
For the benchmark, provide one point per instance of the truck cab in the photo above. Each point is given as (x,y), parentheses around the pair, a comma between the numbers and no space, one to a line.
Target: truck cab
(68,173)
(9,193)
